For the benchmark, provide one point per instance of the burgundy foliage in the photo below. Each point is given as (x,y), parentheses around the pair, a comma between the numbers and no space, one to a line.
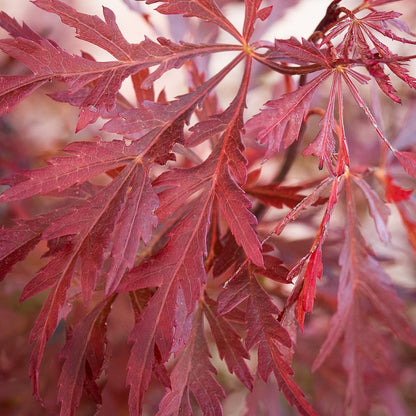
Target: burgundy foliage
(193,250)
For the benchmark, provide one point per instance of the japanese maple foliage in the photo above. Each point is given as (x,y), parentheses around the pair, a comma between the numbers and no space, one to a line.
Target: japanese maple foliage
(242,251)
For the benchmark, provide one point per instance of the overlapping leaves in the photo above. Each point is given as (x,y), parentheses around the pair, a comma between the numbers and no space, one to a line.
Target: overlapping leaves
(161,232)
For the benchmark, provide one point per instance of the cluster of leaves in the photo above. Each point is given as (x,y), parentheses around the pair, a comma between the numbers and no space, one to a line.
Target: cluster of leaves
(175,224)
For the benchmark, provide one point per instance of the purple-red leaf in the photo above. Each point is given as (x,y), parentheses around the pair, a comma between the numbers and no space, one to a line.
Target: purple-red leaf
(104,34)
(310,267)
(293,51)
(278,124)
(17,241)
(276,194)
(179,272)
(365,290)
(235,207)
(56,274)
(193,372)
(324,144)
(228,343)
(219,174)
(93,223)
(76,354)
(182,257)
(142,356)
(273,269)
(102,80)
(264,330)
(203,9)
(378,209)
(86,160)
(137,221)
(252,13)
(236,291)
(311,272)
(408,161)
(305,203)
